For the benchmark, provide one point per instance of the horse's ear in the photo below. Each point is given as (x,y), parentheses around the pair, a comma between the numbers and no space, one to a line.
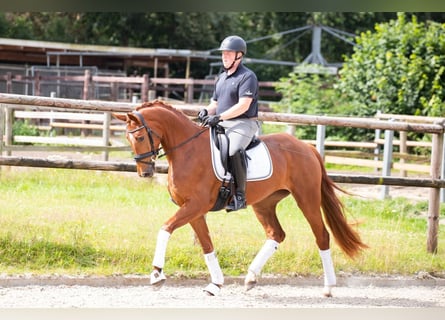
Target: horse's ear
(119,116)
(132,117)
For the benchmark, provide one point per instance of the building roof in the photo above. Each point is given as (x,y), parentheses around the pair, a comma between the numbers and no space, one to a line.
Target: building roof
(58,53)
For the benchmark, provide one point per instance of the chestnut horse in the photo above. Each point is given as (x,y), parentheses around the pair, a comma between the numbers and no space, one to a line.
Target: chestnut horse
(298,170)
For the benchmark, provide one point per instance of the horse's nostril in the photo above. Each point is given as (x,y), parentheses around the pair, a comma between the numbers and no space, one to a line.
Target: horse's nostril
(146,174)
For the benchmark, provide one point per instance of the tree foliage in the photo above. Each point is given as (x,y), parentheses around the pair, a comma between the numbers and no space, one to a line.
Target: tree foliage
(399,68)
(315,94)
(205,30)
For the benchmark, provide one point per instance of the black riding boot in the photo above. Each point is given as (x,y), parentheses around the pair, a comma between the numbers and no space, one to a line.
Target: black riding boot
(239,172)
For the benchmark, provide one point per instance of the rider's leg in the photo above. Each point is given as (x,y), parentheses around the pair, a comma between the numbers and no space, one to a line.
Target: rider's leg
(240,133)
(239,172)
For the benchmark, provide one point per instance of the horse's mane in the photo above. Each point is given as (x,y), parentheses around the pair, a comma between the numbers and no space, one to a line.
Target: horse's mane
(157,102)
(162,104)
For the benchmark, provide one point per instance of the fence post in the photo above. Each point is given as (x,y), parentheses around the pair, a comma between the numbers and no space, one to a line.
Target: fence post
(377,147)
(114,91)
(403,151)
(321,135)
(291,129)
(434,197)
(2,127)
(37,84)
(189,92)
(442,174)
(387,161)
(86,85)
(53,94)
(8,128)
(9,82)
(151,95)
(144,89)
(106,134)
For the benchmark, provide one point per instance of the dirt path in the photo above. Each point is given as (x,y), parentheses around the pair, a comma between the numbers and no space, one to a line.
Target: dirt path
(120,292)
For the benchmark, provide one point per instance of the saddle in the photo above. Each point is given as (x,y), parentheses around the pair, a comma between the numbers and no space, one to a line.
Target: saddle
(259,164)
(221,143)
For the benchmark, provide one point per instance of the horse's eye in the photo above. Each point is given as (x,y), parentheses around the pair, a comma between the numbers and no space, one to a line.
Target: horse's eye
(140,139)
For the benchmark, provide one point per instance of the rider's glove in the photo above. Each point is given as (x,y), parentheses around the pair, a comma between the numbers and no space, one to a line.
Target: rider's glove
(202,115)
(212,121)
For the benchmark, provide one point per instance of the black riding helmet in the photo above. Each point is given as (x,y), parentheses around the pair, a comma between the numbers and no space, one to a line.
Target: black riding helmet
(234,43)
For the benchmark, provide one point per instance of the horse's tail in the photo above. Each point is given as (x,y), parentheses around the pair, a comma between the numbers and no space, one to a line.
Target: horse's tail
(345,236)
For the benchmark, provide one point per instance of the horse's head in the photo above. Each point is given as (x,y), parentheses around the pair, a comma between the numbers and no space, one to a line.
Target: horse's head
(143,140)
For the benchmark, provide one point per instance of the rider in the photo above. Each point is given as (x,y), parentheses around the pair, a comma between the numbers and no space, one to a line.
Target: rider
(234,105)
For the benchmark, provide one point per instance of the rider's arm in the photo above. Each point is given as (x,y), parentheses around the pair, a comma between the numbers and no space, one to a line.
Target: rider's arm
(237,109)
(211,108)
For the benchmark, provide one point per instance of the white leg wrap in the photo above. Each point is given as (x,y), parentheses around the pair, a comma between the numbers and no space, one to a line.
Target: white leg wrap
(214,268)
(268,249)
(212,289)
(161,248)
(328,268)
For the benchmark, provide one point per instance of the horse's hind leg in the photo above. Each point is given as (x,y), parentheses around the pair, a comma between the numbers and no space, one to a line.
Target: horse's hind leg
(310,206)
(199,225)
(265,211)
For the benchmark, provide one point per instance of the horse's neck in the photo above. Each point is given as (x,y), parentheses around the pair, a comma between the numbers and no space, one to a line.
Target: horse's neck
(177,130)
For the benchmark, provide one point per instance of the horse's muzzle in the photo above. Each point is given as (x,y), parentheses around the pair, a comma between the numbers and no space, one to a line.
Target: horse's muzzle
(147,171)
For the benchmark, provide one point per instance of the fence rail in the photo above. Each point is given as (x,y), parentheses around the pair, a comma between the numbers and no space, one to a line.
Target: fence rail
(163,168)
(144,87)
(435,183)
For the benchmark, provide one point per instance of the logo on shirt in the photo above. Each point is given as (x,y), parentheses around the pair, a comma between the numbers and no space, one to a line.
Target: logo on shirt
(248,93)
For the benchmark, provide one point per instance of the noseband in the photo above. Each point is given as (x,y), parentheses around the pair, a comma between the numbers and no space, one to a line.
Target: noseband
(153,153)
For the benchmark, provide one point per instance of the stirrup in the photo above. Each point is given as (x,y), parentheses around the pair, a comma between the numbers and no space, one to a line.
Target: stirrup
(238,202)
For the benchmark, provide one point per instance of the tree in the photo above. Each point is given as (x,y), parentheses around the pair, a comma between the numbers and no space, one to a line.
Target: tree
(315,94)
(399,68)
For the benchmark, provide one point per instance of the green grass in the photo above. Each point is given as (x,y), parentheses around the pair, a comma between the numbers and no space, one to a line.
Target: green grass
(56,221)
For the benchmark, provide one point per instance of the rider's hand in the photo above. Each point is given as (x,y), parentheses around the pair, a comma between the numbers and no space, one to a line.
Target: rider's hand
(202,115)
(212,121)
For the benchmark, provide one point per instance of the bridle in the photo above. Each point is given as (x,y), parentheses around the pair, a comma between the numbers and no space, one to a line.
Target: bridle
(153,153)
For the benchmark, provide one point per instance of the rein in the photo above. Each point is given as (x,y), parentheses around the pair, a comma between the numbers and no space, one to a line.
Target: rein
(155,152)
(183,142)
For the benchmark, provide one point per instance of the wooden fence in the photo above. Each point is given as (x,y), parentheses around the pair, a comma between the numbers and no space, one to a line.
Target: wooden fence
(434,182)
(61,129)
(144,88)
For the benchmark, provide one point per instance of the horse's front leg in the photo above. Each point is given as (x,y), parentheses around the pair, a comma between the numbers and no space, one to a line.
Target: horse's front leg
(201,229)
(188,213)
(184,215)
(157,277)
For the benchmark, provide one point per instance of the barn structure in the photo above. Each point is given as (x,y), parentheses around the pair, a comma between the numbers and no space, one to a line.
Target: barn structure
(55,60)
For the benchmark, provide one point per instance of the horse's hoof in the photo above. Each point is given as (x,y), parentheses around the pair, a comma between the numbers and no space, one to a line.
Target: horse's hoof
(250,285)
(158,285)
(212,289)
(157,279)
(327,292)
(250,281)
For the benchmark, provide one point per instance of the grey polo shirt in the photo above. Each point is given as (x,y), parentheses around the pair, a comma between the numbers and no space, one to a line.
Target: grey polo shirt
(228,89)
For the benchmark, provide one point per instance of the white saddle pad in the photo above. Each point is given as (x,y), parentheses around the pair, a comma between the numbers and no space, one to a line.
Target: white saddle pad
(259,163)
